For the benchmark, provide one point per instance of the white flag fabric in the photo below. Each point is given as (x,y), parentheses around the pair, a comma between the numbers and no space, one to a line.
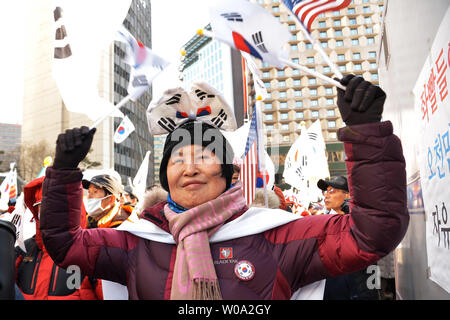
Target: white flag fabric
(80,38)
(8,188)
(125,128)
(297,164)
(249,27)
(260,88)
(145,64)
(140,180)
(17,219)
(319,158)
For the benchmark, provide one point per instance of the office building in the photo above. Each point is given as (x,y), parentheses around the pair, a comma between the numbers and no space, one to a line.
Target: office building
(44,113)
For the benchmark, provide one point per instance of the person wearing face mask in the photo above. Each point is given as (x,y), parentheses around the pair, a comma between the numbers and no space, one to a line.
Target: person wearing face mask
(103,202)
(38,277)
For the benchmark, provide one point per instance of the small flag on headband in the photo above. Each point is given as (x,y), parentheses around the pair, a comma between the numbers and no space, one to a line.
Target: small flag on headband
(124,129)
(248,27)
(307,10)
(145,64)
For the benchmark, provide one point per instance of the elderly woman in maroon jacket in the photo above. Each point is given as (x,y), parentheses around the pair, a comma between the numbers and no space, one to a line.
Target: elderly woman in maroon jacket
(204,243)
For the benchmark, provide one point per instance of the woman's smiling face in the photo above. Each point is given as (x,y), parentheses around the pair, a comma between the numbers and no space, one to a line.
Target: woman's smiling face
(194,176)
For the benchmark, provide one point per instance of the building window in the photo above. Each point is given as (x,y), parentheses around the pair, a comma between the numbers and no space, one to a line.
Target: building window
(295,72)
(373,65)
(330,102)
(366,9)
(342,68)
(268,106)
(338,33)
(326,69)
(283,105)
(352,21)
(295,60)
(337,23)
(314,103)
(328,91)
(294,47)
(280,73)
(314,114)
(269,127)
(292,27)
(339,43)
(283,94)
(299,104)
(331,124)
(269,117)
(341,57)
(330,113)
(276,9)
(267,85)
(368,20)
(282,83)
(371,40)
(322,34)
(375,76)
(353,32)
(293,37)
(355,42)
(299,115)
(297,82)
(284,116)
(356,56)
(324,44)
(313,92)
(298,93)
(369,30)
(372,54)
(310,60)
(309,46)
(285,127)
(357,66)
(312,81)
(322,24)
(266,74)
(351,10)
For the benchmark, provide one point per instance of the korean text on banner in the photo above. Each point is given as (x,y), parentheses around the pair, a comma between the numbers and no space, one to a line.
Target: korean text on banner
(432,107)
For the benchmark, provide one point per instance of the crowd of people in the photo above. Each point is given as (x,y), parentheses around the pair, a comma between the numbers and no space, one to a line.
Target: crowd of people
(194,237)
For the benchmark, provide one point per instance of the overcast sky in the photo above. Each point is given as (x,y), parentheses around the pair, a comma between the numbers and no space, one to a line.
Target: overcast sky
(173,24)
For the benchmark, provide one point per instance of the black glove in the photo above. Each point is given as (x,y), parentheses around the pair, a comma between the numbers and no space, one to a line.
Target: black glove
(72,147)
(361,102)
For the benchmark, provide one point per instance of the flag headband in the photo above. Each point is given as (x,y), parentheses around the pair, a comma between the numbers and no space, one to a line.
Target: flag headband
(176,106)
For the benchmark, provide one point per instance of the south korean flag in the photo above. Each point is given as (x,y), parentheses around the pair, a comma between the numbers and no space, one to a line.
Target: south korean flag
(124,129)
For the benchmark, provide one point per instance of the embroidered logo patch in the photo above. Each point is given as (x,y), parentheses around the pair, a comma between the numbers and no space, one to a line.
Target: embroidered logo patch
(226,253)
(244,270)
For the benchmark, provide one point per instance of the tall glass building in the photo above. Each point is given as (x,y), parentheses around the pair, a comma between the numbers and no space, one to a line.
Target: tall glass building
(129,154)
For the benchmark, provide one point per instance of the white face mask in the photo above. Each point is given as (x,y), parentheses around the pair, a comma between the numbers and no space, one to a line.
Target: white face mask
(94,207)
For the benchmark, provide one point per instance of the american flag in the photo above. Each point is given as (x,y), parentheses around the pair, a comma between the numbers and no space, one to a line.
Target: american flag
(307,10)
(249,168)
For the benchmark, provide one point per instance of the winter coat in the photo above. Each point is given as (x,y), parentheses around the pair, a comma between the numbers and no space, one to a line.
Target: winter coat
(282,259)
(37,276)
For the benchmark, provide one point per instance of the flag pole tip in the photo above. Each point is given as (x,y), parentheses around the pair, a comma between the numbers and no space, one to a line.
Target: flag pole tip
(302,123)
(200,32)
(259,98)
(183,52)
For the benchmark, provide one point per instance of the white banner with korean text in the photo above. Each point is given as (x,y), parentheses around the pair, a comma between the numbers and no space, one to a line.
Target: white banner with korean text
(432,106)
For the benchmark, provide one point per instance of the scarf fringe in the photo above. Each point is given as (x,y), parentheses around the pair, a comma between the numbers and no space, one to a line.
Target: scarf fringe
(206,289)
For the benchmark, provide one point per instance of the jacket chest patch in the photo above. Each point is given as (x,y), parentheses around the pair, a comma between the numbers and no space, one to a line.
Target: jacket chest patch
(244,270)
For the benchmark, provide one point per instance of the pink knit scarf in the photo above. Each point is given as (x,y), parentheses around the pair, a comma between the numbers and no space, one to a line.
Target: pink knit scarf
(194,273)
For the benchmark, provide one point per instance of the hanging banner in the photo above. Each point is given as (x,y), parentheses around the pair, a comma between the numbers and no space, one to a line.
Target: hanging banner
(432,107)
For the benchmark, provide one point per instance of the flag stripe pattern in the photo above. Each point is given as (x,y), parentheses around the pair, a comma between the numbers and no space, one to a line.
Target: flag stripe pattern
(249,168)
(307,10)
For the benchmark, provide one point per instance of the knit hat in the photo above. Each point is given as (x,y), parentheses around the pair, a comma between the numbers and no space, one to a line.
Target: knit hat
(194,132)
(105,181)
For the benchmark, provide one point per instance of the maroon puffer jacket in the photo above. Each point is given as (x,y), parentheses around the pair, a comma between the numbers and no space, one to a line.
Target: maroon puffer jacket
(284,258)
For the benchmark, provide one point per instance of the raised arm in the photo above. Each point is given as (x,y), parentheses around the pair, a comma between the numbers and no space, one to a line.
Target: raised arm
(101,253)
